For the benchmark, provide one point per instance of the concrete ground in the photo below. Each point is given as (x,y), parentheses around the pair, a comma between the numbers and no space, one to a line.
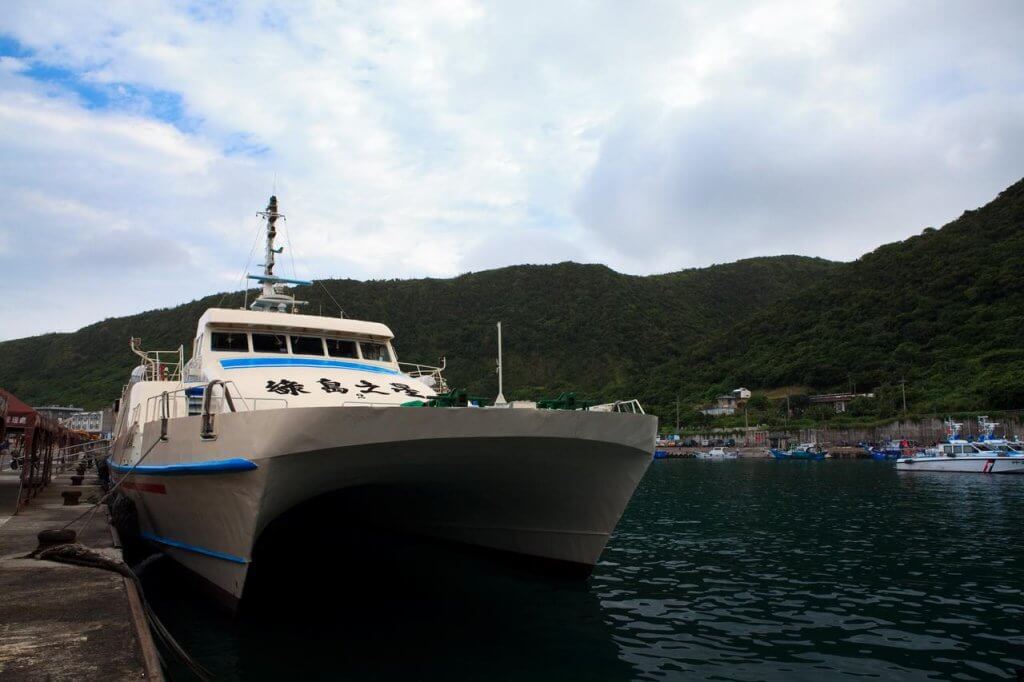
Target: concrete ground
(62,622)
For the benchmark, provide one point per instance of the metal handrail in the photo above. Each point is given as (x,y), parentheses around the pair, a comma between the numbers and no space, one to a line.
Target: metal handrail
(177,401)
(206,430)
(161,365)
(418,371)
(631,406)
(88,451)
(164,415)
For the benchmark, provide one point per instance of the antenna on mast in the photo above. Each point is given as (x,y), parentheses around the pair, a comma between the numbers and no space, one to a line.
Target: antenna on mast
(273,299)
(500,400)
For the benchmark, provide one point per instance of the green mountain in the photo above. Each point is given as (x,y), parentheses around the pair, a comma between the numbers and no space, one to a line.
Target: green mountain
(942,310)
(567,326)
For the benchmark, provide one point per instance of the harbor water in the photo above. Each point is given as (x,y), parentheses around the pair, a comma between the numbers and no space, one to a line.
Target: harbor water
(732,570)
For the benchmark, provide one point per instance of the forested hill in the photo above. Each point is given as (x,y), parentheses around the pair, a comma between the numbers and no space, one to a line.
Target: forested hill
(567,326)
(943,310)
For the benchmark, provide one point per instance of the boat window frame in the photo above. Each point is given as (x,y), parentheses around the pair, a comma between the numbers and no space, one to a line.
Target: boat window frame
(354,342)
(323,345)
(244,334)
(383,343)
(287,342)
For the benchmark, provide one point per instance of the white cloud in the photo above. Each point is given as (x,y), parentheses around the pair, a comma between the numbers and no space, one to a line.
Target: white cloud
(433,138)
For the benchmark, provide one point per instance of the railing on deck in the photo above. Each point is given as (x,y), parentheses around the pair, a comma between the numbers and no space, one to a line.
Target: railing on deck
(421,372)
(631,406)
(188,402)
(195,401)
(161,365)
(87,454)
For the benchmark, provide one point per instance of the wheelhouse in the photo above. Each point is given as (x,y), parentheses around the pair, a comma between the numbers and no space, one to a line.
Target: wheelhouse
(961,449)
(237,334)
(270,341)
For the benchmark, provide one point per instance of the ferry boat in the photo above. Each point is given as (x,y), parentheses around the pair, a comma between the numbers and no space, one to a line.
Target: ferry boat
(717,453)
(987,455)
(805,451)
(277,410)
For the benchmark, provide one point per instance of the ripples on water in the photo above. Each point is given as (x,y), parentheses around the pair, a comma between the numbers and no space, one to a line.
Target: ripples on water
(747,570)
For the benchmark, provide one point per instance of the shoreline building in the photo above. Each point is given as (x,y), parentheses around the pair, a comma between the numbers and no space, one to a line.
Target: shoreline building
(728,403)
(838,401)
(725,404)
(59,412)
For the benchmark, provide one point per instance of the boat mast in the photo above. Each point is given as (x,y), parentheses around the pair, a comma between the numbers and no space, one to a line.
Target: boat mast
(270,215)
(500,400)
(273,299)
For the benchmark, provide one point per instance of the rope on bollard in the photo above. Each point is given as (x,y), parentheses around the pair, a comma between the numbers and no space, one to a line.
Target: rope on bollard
(73,553)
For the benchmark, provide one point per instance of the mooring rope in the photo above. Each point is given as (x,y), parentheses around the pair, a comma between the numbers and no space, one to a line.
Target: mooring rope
(110,492)
(79,555)
(68,551)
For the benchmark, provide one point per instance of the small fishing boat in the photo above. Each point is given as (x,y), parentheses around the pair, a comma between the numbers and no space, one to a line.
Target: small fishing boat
(804,451)
(717,453)
(987,455)
(889,450)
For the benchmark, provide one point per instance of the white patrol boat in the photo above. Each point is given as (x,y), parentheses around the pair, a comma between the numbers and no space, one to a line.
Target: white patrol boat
(987,455)
(277,411)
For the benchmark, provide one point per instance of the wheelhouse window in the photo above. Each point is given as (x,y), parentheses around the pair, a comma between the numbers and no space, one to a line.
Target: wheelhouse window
(341,348)
(377,352)
(269,343)
(233,342)
(307,345)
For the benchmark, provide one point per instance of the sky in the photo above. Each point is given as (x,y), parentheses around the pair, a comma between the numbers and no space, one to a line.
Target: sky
(427,139)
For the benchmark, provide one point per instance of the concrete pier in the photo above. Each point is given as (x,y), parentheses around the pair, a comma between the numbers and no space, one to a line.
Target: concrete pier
(63,622)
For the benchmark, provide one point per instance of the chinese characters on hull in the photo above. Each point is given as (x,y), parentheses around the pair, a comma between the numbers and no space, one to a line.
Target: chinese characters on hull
(285,387)
(361,389)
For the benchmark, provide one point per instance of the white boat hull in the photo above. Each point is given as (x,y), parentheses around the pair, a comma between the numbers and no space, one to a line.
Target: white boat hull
(977,465)
(540,483)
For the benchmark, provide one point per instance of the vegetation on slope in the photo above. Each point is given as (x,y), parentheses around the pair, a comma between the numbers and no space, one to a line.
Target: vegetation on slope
(942,310)
(567,327)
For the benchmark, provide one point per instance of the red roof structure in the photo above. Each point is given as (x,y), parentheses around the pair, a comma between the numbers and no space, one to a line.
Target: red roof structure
(38,439)
(16,405)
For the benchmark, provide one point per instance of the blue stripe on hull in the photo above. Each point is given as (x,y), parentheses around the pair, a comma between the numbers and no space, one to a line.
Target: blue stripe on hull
(193,548)
(245,363)
(215,466)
